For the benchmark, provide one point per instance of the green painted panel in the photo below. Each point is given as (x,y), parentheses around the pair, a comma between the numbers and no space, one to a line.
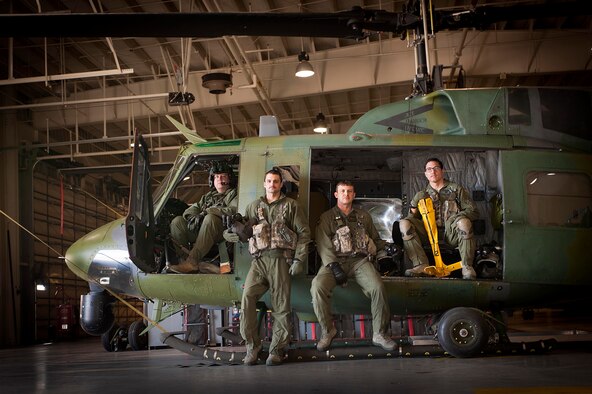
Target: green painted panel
(536,253)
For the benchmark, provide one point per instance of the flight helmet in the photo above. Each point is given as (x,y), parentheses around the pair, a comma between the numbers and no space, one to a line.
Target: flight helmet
(220,167)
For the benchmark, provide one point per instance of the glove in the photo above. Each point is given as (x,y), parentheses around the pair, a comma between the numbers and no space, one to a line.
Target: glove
(193,222)
(338,273)
(193,210)
(244,230)
(297,267)
(230,236)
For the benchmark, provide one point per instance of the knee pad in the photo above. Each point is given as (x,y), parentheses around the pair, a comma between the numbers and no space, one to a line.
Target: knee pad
(407,229)
(465,228)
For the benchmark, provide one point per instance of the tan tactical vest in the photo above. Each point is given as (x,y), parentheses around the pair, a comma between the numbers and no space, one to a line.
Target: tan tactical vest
(350,239)
(276,235)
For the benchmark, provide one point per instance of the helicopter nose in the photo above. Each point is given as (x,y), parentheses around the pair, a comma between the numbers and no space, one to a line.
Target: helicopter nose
(81,253)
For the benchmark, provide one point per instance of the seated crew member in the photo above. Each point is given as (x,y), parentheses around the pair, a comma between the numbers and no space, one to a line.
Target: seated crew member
(201,223)
(346,241)
(454,211)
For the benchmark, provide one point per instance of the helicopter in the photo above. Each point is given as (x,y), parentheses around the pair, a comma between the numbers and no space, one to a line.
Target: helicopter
(519,151)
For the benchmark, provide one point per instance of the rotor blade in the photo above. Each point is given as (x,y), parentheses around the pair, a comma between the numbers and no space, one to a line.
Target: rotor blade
(180,25)
(483,16)
(348,24)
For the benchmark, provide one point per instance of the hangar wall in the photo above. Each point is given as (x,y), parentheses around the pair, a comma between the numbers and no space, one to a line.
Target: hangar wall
(64,209)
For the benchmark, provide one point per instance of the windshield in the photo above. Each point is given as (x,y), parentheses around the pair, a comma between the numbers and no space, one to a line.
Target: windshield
(160,191)
(183,167)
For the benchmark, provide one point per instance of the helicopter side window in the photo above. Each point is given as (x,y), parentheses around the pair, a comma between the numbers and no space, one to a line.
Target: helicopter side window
(569,195)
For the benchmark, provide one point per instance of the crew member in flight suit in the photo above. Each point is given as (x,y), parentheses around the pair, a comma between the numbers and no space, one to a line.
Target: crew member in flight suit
(347,240)
(279,249)
(454,211)
(201,223)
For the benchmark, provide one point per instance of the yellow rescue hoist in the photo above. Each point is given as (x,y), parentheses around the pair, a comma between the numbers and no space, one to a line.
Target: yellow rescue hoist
(426,208)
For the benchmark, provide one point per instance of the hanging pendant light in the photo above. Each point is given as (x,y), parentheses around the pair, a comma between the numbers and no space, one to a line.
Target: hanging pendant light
(320,125)
(304,68)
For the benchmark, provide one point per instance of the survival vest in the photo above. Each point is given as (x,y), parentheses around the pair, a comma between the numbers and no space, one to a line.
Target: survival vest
(351,238)
(276,235)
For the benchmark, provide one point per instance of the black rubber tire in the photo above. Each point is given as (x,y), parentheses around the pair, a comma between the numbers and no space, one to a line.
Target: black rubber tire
(463,332)
(112,340)
(137,341)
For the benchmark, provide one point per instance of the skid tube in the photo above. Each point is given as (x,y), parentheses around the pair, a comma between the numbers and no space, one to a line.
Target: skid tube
(347,350)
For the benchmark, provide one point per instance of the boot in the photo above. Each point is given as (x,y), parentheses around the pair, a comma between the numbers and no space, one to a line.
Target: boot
(273,360)
(416,271)
(190,266)
(208,268)
(186,267)
(252,356)
(383,341)
(326,339)
(468,273)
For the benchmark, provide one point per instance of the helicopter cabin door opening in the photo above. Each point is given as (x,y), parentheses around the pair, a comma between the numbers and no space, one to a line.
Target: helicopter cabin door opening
(386,180)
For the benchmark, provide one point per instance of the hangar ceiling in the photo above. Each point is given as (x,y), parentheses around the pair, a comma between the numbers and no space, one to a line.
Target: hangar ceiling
(84,97)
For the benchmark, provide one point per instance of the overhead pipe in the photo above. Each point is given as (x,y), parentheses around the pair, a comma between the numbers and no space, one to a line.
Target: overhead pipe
(60,77)
(110,139)
(86,101)
(105,153)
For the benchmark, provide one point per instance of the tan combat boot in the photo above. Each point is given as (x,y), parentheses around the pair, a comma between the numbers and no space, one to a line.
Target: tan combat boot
(416,271)
(468,273)
(188,266)
(326,339)
(383,341)
(252,355)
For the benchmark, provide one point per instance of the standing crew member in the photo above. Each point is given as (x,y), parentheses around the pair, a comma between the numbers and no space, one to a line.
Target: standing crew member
(279,247)
(346,241)
(454,211)
(201,223)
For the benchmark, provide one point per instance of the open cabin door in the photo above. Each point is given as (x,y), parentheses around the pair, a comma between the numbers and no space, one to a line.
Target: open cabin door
(547,201)
(139,223)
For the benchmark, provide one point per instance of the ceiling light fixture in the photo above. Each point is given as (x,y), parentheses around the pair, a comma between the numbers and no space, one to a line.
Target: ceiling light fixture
(304,68)
(216,83)
(320,125)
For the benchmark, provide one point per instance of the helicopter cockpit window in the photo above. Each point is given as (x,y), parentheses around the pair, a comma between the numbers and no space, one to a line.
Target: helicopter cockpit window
(567,111)
(519,107)
(167,181)
(559,199)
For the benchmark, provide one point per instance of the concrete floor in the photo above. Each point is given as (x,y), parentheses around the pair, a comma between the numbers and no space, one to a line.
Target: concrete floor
(84,367)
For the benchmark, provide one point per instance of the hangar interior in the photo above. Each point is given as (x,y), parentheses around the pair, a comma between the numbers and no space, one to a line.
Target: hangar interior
(70,107)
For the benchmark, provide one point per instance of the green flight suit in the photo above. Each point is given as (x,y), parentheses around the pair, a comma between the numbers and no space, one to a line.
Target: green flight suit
(270,271)
(357,267)
(451,203)
(213,205)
